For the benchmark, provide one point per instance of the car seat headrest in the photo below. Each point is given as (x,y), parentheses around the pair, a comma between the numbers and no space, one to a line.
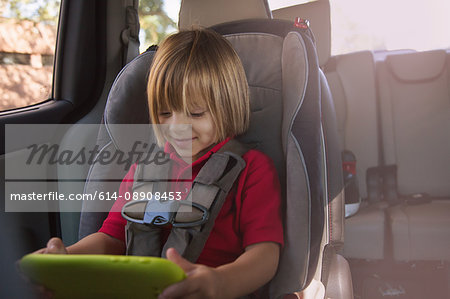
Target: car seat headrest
(417,66)
(207,13)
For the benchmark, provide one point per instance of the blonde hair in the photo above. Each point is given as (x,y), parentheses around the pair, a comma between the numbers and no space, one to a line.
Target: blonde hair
(199,68)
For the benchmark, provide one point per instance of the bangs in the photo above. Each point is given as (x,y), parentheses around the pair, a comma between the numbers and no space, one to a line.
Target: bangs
(198,89)
(183,86)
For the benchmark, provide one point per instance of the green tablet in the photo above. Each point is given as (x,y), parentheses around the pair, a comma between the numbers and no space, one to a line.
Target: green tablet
(101,276)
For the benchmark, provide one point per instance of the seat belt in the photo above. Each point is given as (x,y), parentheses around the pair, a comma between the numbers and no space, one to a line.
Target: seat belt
(192,219)
(130,35)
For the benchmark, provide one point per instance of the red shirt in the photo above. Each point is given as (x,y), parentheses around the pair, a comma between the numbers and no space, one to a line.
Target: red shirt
(250,214)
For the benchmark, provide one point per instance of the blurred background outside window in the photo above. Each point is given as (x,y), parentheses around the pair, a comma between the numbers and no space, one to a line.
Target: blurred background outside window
(27,46)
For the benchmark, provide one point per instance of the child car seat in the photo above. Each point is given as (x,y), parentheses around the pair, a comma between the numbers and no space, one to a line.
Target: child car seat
(285,84)
(285,124)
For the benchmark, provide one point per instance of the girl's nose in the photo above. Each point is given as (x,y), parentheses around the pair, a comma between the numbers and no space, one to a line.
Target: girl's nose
(180,123)
(178,118)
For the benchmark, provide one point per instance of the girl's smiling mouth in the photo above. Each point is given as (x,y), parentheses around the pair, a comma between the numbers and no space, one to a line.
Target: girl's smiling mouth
(182,142)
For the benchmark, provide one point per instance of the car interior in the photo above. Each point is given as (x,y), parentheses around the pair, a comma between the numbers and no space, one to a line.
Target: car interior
(360,141)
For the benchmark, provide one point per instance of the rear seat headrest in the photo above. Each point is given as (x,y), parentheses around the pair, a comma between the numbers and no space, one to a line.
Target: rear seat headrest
(318,14)
(207,13)
(417,66)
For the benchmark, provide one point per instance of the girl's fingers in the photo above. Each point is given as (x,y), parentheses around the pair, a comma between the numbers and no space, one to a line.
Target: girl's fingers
(174,256)
(55,245)
(186,288)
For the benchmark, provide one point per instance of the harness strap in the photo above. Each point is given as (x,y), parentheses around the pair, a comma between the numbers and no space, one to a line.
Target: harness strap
(203,191)
(141,239)
(190,242)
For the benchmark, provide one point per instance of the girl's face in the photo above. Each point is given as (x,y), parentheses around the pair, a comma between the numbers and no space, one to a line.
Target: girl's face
(191,135)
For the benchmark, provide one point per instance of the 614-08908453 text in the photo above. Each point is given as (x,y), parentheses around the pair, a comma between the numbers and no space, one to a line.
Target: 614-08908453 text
(107,196)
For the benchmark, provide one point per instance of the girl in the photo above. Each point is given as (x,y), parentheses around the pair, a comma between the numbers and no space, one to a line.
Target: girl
(197,79)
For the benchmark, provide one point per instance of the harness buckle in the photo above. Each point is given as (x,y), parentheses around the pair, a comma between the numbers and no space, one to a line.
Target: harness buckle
(160,212)
(155,212)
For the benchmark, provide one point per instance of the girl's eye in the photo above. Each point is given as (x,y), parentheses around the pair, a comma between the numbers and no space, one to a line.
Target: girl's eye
(165,114)
(197,114)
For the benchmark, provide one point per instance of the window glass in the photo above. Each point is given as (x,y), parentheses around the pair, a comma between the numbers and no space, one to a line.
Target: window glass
(27,47)
(157,19)
(389,25)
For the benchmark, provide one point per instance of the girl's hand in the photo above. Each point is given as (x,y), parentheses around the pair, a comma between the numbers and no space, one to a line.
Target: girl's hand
(55,246)
(201,281)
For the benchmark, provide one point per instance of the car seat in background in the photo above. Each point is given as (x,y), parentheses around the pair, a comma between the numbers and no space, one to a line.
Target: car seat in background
(415,114)
(354,95)
(285,88)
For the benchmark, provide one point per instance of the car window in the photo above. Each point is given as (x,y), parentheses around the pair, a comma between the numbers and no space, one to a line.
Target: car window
(385,24)
(389,25)
(157,19)
(27,48)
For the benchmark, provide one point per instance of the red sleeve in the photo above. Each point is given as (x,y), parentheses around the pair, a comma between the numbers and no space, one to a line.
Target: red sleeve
(260,215)
(114,224)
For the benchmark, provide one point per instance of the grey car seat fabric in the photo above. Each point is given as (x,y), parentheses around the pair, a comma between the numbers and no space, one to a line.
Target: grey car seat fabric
(285,124)
(318,15)
(335,276)
(289,80)
(415,113)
